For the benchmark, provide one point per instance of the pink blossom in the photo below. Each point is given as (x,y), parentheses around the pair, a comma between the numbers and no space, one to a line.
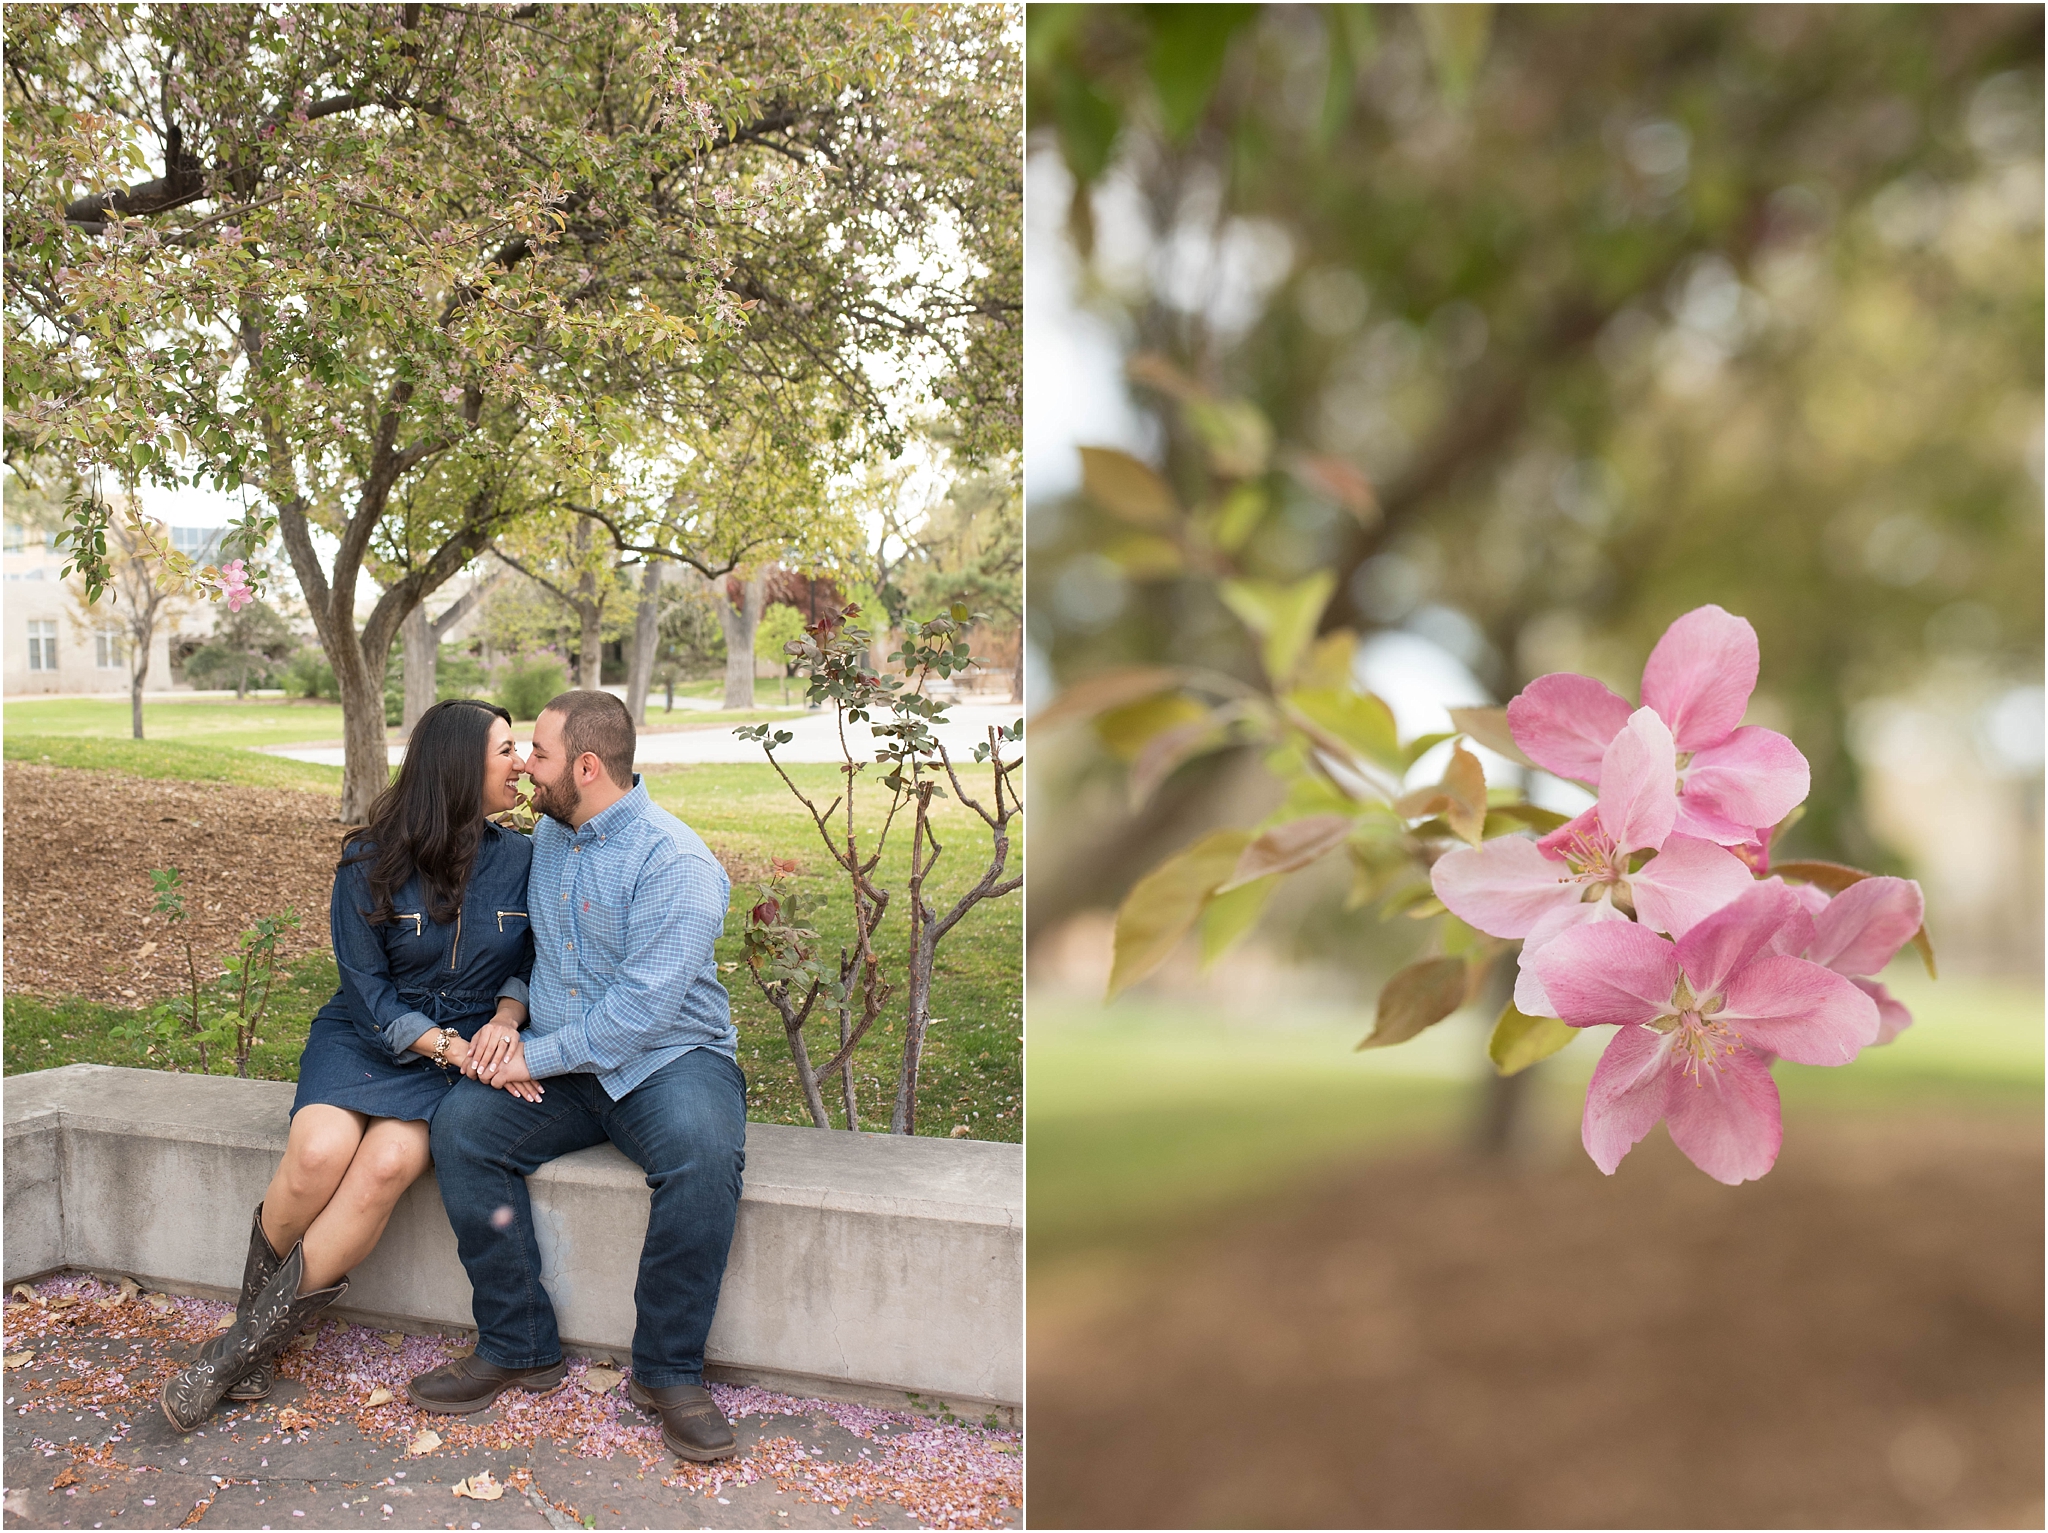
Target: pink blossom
(1733,779)
(1856,934)
(234,584)
(1585,871)
(1700,1021)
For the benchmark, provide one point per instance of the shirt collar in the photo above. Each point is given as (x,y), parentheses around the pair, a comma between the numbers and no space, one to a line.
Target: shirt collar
(610,822)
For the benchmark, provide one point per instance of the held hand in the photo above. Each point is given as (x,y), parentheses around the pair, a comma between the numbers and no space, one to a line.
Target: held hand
(488,1049)
(510,1074)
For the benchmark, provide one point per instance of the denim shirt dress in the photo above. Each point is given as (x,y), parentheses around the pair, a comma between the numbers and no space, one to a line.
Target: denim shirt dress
(411,974)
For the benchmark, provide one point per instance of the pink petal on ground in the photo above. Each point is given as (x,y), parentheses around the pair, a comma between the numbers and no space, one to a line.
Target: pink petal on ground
(1607,973)
(1531,999)
(1638,783)
(1726,1120)
(1866,924)
(1892,1018)
(1754,777)
(1503,886)
(1687,882)
(1735,934)
(1563,723)
(1799,1011)
(1627,1095)
(1700,675)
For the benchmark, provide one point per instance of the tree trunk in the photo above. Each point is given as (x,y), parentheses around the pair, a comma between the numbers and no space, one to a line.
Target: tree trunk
(590,659)
(422,659)
(366,765)
(646,630)
(135,697)
(739,623)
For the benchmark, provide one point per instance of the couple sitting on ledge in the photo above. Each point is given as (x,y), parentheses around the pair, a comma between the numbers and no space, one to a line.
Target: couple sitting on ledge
(502,1002)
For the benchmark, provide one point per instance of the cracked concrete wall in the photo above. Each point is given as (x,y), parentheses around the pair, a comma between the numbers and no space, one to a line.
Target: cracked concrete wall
(861,1264)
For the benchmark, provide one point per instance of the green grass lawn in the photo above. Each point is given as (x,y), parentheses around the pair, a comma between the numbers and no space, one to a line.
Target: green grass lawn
(1148,1113)
(972,1071)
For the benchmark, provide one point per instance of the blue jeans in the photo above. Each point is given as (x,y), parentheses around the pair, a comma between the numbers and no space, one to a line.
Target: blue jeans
(685,1126)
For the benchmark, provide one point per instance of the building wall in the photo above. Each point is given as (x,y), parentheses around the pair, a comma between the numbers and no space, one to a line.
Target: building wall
(38,613)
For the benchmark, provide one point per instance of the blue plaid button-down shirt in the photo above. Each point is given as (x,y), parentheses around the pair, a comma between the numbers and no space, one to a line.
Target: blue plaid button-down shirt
(626,912)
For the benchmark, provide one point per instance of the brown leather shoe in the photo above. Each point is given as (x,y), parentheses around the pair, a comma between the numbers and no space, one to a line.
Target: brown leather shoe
(471,1384)
(691,1423)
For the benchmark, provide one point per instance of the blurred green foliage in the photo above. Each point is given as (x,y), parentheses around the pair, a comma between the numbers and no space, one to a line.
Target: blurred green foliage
(1617,310)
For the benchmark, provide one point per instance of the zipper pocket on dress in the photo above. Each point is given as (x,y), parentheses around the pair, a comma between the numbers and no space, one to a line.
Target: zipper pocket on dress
(418,919)
(517,914)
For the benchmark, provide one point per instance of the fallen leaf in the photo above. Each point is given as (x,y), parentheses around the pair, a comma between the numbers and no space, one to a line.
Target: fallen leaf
(20,1359)
(130,1288)
(68,1477)
(145,950)
(960,1131)
(25,1293)
(600,1381)
(292,1420)
(379,1396)
(480,1487)
(157,1301)
(426,1442)
(225,1323)
(64,1301)
(392,1339)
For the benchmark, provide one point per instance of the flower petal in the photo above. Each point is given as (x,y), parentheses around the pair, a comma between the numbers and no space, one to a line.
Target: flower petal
(1734,935)
(1865,924)
(1892,1018)
(1753,778)
(1639,783)
(1563,723)
(1698,820)
(1799,1011)
(1726,1120)
(1687,882)
(1607,972)
(1700,675)
(1627,1095)
(1503,886)
(1531,999)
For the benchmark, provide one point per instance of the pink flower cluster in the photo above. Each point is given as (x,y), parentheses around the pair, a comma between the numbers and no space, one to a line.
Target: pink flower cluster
(1653,911)
(234,584)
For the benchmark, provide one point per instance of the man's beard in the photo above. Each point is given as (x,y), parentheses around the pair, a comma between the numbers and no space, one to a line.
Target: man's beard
(559,800)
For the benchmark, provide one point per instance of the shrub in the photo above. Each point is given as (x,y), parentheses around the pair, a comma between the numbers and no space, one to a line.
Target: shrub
(309,675)
(527,686)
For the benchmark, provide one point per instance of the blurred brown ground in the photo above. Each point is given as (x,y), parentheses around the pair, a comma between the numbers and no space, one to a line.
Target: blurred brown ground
(1429,1341)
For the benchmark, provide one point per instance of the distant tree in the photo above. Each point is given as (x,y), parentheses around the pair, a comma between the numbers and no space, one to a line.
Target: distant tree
(247,648)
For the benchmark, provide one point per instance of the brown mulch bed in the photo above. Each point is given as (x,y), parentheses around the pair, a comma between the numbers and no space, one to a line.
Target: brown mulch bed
(79,849)
(1429,1342)
(78,899)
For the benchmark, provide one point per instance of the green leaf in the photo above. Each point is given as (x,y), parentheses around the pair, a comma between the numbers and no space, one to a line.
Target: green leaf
(1189,43)
(1239,517)
(1126,488)
(1231,914)
(1358,719)
(1420,996)
(1172,748)
(1285,848)
(1542,821)
(1126,730)
(1519,1041)
(1283,616)
(1163,905)
(1238,436)
(1096,694)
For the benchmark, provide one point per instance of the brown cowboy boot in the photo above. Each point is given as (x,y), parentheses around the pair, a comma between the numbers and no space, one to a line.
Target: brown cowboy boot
(257,1271)
(691,1423)
(471,1384)
(277,1315)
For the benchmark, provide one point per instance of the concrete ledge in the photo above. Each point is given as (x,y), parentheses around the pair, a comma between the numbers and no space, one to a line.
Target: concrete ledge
(864,1266)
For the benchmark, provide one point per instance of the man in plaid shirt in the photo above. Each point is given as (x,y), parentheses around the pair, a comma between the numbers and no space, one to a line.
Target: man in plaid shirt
(631,1039)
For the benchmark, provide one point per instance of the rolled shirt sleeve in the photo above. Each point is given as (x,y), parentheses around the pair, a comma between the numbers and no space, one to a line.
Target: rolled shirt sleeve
(672,924)
(374,1003)
(514,989)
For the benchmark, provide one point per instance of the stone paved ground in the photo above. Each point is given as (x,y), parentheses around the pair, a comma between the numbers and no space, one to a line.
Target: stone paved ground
(86,1446)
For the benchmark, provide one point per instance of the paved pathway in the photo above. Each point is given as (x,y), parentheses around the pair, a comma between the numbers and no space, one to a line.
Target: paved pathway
(816,739)
(87,1447)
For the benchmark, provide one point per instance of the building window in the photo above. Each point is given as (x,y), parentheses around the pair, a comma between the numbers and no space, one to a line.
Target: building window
(11,538)
(106,649)
(42,646)
(199,542)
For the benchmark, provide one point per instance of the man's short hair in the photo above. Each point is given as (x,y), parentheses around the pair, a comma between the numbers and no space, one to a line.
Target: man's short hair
(598,723)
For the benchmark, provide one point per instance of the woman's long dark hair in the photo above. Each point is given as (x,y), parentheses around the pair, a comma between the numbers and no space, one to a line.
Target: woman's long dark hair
(430,820)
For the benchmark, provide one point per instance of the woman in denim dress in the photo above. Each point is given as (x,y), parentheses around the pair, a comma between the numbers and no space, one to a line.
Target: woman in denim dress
(431,936)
